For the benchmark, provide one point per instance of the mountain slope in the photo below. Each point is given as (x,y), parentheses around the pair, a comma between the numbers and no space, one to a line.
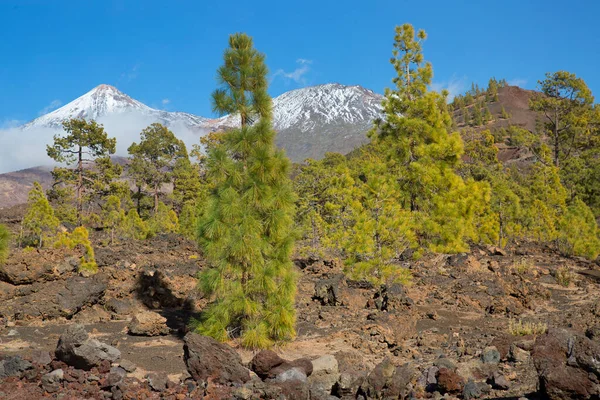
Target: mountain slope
(310,121)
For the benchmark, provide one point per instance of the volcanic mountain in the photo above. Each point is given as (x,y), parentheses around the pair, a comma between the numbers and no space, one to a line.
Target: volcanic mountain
(309,121)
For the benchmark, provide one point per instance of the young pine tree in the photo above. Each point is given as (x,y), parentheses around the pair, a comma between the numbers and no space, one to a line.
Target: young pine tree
(245,229)
(164,220)
(154,158)
(113,216)
(422,152)
(39,219)
(85,143)
(4,243)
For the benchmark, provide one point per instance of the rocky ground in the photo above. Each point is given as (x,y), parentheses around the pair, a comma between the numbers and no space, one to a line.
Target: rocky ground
(470,326)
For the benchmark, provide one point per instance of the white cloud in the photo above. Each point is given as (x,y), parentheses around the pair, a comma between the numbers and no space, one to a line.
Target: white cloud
(517,82)
(298,75)
(21,149)
(454,86)
(165,102)
(54,104)
(131,74)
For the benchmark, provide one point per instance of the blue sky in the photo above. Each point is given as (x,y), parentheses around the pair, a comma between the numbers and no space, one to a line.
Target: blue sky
(165,54)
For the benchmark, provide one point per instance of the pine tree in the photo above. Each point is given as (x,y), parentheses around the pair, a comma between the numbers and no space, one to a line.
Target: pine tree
(4,243)
(164,220)
(154,158)
(487,115)
(85,144)
(188,220)
(422,153)
(492,90)
(245,229)
(504,114)
(579,233)
(382,230)
(477,116)
(39,219)
(113,216)
(565,102)
(134,227)
(79,238)
(187,185)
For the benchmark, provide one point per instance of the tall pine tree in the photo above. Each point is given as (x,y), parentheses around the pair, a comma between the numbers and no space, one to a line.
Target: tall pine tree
(422,152)
(4,242)
(245,228)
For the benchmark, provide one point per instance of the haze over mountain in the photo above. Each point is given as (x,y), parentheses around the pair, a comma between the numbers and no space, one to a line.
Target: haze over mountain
(309,121)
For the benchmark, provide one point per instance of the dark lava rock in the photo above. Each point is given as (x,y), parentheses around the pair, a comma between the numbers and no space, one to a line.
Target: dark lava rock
(490,355)
(392,298)
(449,381)
(471,391)
(13,366)
(328,291)
(158,381)
(264,361)
(49,300)
(567,365)
(41,357)
(77,350)
(206,358)
(51,381)
(500,382)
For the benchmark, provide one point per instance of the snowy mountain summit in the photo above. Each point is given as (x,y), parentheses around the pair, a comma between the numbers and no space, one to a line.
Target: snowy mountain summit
(310,121)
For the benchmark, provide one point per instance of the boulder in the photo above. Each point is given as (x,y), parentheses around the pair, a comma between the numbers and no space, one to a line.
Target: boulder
(148,323)
(76,349)
(51,381)
(329,291)
(206,358)
(264,361)
(490,355)
(388,381)
(471,391)
(13,366)
(157,381)
(567,365)
(49,300)
(449,381)
(325,373)
(392,298)
(25,273)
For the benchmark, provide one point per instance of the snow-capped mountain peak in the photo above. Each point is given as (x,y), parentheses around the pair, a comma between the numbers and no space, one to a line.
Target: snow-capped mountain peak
(101,101)
(310,121)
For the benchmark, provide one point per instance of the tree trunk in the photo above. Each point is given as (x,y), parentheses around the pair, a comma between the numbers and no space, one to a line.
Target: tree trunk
(139,196)
(556,140)
(79,185)
(155,198)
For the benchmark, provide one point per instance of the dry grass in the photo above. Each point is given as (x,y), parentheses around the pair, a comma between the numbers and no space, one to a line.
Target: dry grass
(564,276)
(520,328)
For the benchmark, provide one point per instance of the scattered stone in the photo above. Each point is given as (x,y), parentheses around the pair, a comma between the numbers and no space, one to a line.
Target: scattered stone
(13,366)
(392,298)
(51,381)
(76,349)
(157,381)
(127,365)
(445,362)
(563,361)
(292,374)
(490,355)
(449,381)
(325,373)
(593,333)
(115,376)
(148,323)
(500,382)
(206,358)
(517,354)
(264,361)
(41,358)
(328,291)
(471,391)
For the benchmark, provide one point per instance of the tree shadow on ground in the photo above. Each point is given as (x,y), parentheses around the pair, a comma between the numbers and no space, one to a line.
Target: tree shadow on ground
(153,291)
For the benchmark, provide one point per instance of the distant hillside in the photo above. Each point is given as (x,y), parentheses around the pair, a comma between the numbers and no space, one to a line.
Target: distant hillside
(515,102)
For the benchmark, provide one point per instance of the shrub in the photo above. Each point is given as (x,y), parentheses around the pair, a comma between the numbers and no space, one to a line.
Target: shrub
(520,328)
